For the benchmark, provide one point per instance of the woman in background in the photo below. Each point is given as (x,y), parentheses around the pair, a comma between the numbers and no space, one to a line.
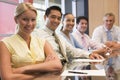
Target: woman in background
(23,56)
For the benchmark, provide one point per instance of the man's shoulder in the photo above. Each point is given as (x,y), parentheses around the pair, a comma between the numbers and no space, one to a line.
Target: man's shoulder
(116,27)
(87,35)
(40,32)
(59,35)
(74,33)
(99,28)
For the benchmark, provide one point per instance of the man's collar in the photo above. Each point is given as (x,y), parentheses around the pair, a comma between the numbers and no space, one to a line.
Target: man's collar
(48,30)
(107,29)
(79,33)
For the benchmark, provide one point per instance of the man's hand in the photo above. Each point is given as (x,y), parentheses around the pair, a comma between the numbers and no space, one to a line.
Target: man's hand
(95,56)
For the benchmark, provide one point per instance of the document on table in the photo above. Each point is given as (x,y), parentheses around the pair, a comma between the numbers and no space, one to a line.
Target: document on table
(84,73)
(87,60)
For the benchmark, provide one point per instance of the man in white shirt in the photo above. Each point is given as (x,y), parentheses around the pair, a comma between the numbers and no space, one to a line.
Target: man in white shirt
(82,38)
(100,33)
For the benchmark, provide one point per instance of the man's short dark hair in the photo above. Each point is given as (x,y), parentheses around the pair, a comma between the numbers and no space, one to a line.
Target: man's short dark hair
(80,18)
(47,12)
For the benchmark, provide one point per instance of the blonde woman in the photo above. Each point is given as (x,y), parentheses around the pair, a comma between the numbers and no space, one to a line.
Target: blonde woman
(23,56)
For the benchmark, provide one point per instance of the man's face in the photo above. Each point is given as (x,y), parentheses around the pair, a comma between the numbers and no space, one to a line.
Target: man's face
(53,19)
(82,26)
(108,22)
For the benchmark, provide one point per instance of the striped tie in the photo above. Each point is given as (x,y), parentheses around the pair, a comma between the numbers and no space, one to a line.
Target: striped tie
(83,42)
(109,36)
(110,70)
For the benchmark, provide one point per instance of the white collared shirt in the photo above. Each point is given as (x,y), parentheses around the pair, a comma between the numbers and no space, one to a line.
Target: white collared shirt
(100,35)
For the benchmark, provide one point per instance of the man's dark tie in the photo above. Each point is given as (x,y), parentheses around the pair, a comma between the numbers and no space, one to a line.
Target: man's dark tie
(60,46)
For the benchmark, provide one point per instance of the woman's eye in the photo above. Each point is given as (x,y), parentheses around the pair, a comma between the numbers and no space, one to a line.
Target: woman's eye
(25,19)
(33,19)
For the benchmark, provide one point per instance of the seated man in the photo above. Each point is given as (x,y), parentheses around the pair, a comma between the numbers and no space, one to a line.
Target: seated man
(81,37)
(111,51)
(107,31)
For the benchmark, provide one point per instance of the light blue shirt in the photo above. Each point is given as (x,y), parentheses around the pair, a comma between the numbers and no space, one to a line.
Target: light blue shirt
(71,40)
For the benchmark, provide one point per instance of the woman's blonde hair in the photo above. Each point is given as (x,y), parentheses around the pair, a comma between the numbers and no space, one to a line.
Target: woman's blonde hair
(22,7)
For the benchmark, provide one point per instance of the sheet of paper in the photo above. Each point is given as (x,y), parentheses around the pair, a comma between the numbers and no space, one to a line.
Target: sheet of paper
(84,73)
(88,60)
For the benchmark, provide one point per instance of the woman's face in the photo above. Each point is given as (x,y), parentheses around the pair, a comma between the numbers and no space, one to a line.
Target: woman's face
(26,22)
(68,22)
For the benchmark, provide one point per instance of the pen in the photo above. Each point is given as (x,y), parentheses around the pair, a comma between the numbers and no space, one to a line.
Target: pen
(77,72)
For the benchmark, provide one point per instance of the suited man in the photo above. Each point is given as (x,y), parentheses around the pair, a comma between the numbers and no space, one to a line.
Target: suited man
(52,20)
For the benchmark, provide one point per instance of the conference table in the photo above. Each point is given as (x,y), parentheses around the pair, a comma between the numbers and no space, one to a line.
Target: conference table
(93,73)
